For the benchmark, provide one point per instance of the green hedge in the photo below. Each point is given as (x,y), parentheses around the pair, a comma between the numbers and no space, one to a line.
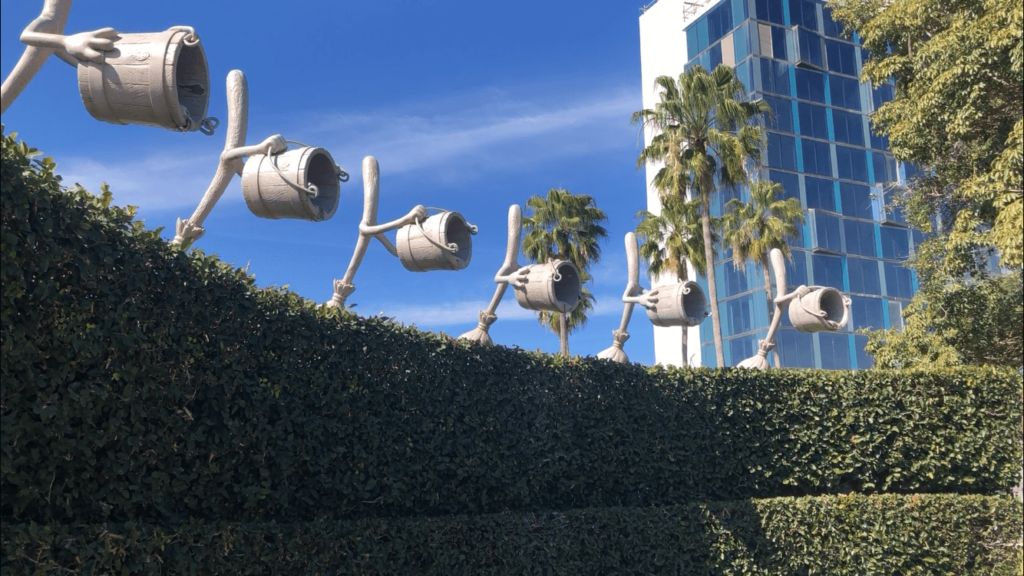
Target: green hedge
(877,535)
(140,383)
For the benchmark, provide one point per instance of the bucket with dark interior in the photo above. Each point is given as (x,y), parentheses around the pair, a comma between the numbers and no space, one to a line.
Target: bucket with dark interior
(458,232)
(321,173)
(695,304)
(567,286)
(832,304)
(191,77)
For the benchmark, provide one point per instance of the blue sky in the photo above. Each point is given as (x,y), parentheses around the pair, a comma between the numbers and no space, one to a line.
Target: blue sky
(472,106)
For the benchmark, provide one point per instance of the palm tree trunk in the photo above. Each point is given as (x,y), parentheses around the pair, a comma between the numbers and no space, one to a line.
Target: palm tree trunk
(683,277)
(563,333)
(709,254)
(771,305)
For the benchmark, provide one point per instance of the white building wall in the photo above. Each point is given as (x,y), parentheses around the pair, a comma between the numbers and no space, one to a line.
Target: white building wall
(663,53)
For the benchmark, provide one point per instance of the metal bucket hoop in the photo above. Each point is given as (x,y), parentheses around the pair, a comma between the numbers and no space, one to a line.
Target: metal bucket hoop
(302,183)
(554,286)
(683,304)
(158,79)
(819,309)
(443,241)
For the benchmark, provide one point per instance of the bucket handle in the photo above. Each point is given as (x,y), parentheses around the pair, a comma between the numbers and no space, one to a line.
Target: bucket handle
(191,39)
(312,190)
(453,247)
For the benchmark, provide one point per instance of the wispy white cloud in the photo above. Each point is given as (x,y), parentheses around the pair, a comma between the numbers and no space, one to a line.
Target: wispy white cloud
(429,316)
(459,138)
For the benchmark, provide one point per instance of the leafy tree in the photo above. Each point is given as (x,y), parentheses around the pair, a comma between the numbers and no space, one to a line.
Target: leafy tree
(962,322)
(670,239)
(705,135)
(958,114)
(565,226)
(754,228)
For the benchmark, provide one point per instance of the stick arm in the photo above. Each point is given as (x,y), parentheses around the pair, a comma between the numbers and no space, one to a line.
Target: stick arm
(229,163)
(51,20)
(510,271)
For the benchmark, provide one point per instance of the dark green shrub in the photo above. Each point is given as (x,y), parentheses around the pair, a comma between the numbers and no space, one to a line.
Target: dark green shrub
(876,535)
(139,383)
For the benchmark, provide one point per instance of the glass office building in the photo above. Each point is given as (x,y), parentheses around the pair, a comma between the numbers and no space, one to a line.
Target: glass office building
(821,149)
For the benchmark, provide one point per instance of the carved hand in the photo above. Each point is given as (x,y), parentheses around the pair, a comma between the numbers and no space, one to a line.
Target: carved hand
(90,45)
(648,299)
(419,213)
(519,277)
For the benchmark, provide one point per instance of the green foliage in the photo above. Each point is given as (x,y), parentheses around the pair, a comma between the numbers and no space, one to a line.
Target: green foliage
(565,226)
(140,383)
(964,322)
(704,133)
(958,111)
(834,536)
(670,239)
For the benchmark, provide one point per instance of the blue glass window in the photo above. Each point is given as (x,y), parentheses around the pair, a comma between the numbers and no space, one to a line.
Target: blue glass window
(781,151)
(715,56)
(774,77)
(864,277)
(813,122)
(782,113)
(860,238)
(820,194)
(895,243)
(864,360)
(882,94)
(741,348)
(817,157)
(898,282)
(867,313)
(810,53)
(849,127)
(803,13)
(845,92)
(796,349)
(796,268)
(743,73)
(739,315)
(790,183)
(878,142)
(692,45)
(827,232)
(770,10)
(828,270)
(893,213)
(779,43)
(810,85)
(707,354)
(853,164)
(835,351)
(733,281)
(831,27)
(841,57)
(740,43)
(856,200)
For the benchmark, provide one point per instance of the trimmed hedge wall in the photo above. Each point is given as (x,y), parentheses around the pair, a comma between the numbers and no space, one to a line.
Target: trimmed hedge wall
(140,383)
(877,535)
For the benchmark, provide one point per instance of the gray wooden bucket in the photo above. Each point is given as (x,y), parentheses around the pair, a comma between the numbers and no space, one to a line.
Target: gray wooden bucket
(819,309)
(159,79)
(442,242)
(302,183)
(553,286)
(683,304)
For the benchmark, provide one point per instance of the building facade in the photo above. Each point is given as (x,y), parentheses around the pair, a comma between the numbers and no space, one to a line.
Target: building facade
(820,149)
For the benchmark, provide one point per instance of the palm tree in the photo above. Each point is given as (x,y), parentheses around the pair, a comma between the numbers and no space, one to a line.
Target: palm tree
(706,136)
(669,240)
(752,229)
(565,226)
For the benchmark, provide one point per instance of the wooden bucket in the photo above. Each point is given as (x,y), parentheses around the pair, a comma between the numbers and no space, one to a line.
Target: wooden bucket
(442,242)
(553,286)
(819,309)
(158,79)
(683,304)
(301,183)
